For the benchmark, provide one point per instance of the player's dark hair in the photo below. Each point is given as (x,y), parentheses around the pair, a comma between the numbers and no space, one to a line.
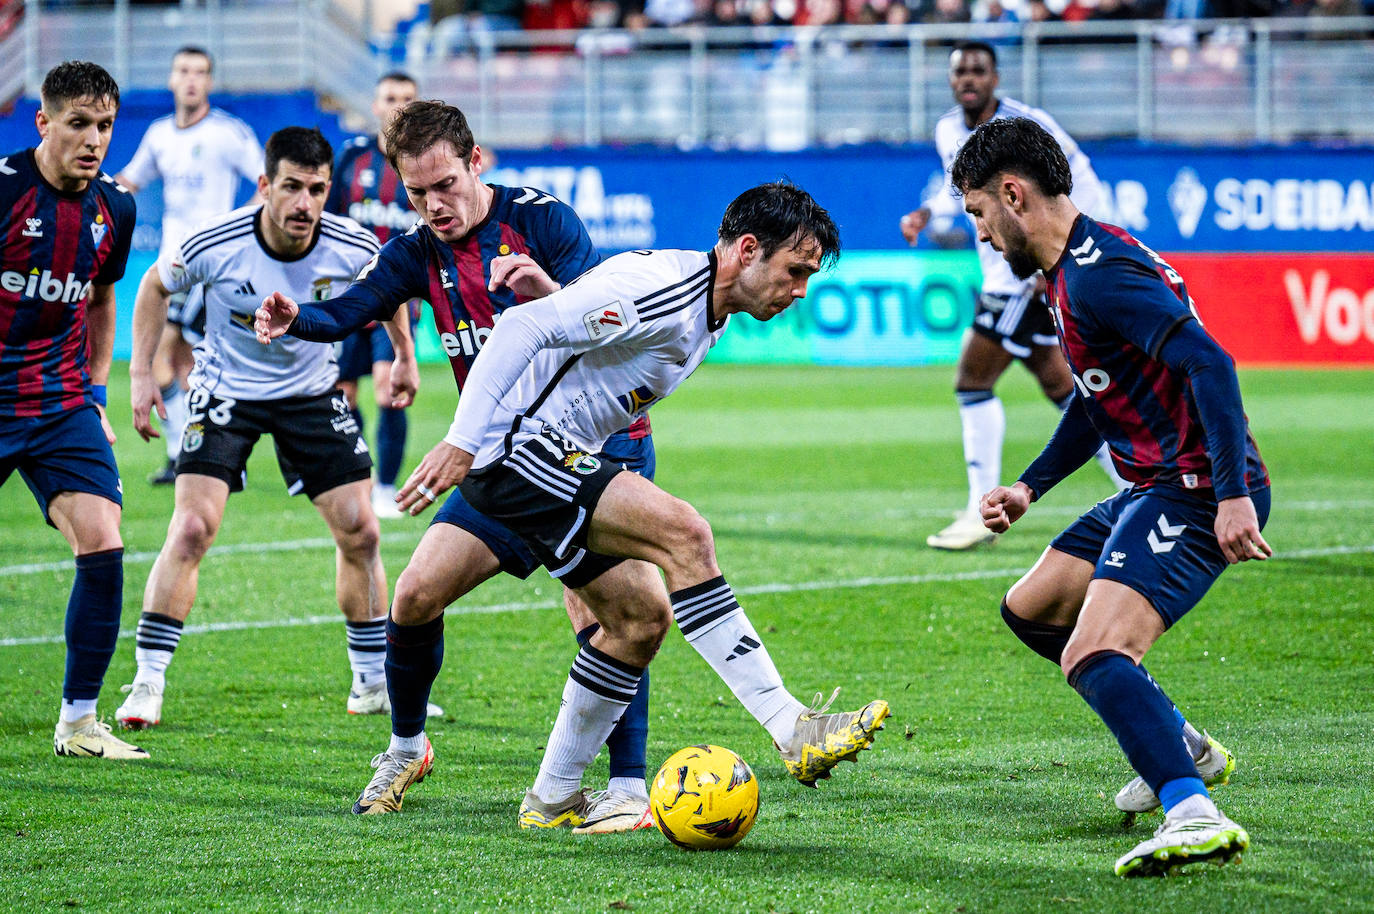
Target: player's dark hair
(420,126)
(77,80)
(396,76)
(1015,145)
(305,146)
(777,214)
(195,49)
(971,46)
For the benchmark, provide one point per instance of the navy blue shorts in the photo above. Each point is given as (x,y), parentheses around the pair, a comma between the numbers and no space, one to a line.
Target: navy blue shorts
(636,455)
(360,349)
(64,453)
(1160,542)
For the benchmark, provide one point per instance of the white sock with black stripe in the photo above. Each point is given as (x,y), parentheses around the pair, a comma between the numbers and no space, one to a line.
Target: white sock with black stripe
(155,639)
(598,691)
(712,622)
(367,651)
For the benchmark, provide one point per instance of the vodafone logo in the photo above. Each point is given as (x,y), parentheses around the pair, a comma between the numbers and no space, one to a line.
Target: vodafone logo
(1344,316)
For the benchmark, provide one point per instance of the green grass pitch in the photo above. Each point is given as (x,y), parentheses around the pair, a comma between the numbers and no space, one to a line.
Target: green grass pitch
(990,789)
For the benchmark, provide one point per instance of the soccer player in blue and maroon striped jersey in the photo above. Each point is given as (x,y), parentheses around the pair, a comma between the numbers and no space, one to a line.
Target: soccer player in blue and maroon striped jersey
(65,228)
(367,189)
(1163,394)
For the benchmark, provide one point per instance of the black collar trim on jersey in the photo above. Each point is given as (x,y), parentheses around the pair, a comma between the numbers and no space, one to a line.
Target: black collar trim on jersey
(712,325)
(262,241)
(32,153)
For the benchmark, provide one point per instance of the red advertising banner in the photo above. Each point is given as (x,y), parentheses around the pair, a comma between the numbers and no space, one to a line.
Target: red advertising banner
(1285,309)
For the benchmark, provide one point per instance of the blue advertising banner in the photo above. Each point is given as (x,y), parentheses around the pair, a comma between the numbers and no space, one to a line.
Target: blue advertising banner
(1186,199)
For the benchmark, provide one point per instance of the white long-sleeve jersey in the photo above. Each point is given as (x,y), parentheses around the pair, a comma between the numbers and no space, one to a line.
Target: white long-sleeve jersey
(592,357)
(951,132)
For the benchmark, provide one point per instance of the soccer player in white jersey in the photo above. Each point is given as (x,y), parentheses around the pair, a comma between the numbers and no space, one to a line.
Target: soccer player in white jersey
(556,377)
(241,390)
(1011,320)
(200,153)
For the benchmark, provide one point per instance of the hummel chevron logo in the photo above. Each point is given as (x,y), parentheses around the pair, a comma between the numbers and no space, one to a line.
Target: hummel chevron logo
(1169,531)
(5,168)
(538,198)
(1081,255)
(746,644)
(246,288)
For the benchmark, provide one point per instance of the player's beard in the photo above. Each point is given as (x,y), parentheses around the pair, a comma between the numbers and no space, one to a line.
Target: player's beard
(1016,250)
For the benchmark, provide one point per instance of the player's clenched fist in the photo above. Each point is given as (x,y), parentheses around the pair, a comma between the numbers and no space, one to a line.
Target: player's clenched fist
(276,314)
(520,274)
(1004,505)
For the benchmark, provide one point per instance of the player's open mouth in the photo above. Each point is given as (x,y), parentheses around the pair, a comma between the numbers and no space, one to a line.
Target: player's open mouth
(87,161)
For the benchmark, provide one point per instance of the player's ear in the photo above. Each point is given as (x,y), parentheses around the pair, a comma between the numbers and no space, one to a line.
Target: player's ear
(475,160)
(263,184)
(748,247)
(40,120)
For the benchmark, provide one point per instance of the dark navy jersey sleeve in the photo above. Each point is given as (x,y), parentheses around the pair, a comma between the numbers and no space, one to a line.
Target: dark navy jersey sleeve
(1074,442)
(123,211)
(567,248)
(393,276)
(1128,297)
(1216,391)
(337,201)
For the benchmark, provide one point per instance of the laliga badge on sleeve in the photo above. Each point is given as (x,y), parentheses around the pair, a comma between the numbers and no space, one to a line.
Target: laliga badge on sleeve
(606,321)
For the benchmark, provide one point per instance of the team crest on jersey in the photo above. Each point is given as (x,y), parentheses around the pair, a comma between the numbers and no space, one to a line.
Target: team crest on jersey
(606,321)
(444,279)
(503,249)
(98,229)
(582,463)
(33,228)
(367,178)
(194,437)
(637,400)
(321,288)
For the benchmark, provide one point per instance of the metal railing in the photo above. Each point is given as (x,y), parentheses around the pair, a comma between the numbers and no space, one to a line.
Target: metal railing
(789,88)
(772,88)
(278,47)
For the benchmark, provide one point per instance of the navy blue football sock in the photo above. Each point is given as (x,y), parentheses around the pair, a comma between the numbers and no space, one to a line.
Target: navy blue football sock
(93,622)
(391,444)
(626,746)
(1144,722)
(414,654)
(1046,640)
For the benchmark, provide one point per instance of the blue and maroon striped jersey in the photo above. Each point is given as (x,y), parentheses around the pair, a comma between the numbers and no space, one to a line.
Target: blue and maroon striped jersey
(53,247)
(453,278)
(367,189)
(1116,304)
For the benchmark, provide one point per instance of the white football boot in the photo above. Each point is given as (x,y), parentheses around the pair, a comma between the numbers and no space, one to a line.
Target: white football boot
(143,708)
(1184,840)
(1214,766)
(967,532)
(91,738)
(374,700)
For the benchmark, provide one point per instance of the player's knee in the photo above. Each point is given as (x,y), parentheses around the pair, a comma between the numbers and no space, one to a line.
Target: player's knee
(190,535)
(362,537)
(693,543)
(418,599)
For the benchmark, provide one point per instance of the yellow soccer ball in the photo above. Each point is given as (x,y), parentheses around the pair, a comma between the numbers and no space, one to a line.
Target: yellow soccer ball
(704,798)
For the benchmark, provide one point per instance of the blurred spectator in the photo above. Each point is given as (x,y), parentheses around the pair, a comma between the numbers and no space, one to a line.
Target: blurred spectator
(1330,8)
(945,11)
(459,25)
(1039,11)
(669,12)
(725,13)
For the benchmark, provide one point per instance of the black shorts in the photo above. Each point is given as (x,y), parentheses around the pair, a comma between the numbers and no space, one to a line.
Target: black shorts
(318,440)
(545,492)
(1015,322)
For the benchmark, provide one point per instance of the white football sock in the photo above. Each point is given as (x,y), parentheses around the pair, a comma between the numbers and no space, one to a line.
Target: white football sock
(634,787)
(174,399)
(598,690)
(1199,804)
(155,640)
(408,746)
(367,651)
(985,425)
(712,622)
(75,709)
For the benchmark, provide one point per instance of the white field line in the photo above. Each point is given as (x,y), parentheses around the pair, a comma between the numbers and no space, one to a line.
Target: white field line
(777,587)
(322,542)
